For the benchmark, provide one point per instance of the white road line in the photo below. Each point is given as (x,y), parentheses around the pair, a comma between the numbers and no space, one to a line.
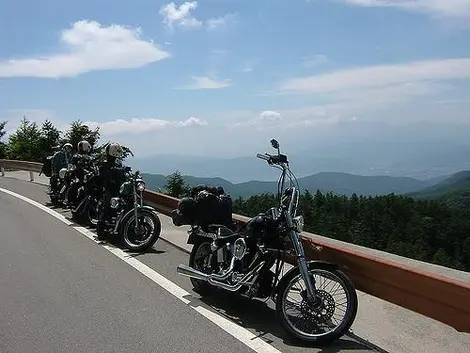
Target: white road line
(240,333)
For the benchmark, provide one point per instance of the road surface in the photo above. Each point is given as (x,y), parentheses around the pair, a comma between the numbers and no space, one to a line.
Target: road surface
(60,290)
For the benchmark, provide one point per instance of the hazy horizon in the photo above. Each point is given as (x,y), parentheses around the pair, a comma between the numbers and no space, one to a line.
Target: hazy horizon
(220,79)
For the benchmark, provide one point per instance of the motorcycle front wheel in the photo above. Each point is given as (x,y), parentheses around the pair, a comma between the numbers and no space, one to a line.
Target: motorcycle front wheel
(324,319)
(147,233)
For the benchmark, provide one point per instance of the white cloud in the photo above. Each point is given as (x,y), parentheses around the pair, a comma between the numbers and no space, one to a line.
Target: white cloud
(380,76)
(249,66)
(267,118)
(270,115)
(452,8)
(180,16)
(204,82)
(89,46)
(314,60)
(221,22)
(139,126)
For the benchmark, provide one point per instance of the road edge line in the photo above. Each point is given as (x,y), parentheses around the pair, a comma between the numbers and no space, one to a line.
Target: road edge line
(238,332)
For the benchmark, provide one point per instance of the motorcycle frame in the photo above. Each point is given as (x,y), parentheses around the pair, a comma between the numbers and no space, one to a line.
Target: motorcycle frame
(137,204)
(288,212)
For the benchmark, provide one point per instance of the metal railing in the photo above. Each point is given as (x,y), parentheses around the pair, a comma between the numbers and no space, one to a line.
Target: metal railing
(12,165)
(410,284)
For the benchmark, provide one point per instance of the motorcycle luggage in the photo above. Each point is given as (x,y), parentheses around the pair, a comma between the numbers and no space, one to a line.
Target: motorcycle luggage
(47,166)
(208,206)
(185,214)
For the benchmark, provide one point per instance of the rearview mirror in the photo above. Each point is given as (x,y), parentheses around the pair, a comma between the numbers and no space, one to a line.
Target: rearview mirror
(274,143)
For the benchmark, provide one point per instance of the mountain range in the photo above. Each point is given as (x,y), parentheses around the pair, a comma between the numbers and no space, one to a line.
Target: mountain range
(454,190)
(418,159)
(339,183)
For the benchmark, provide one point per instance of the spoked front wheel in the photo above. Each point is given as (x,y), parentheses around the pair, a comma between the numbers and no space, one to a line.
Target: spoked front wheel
(145,235)
(325,318)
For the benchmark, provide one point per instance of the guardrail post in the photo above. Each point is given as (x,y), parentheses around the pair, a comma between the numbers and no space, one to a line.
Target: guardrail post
(31,176)
(3,171)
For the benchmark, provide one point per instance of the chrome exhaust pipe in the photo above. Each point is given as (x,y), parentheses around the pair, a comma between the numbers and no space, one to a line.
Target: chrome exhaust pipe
(191,272)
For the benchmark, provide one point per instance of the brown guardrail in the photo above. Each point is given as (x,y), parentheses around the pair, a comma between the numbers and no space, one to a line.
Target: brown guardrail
(438,297)
(20,165)
(13,165)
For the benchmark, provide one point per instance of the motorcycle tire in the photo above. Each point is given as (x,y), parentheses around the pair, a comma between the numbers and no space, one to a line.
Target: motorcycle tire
(201,287)
(351,306)
(150,240)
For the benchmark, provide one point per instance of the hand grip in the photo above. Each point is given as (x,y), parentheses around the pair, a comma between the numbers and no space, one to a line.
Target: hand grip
(263,156)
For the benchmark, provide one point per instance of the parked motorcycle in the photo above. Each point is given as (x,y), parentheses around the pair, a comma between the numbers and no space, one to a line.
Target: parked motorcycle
(57,187)
(85,201)
(243,262)
(137,225)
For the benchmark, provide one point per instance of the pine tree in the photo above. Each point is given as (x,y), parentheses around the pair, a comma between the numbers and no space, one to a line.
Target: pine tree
(176,186)
(3,145)
(24,143)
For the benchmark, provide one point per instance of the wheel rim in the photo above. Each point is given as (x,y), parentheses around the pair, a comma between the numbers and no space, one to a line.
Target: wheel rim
(203,257)
(314,316)
(144,232)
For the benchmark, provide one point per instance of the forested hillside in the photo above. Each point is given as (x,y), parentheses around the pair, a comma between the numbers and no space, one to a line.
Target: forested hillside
(425,230)
(339,183)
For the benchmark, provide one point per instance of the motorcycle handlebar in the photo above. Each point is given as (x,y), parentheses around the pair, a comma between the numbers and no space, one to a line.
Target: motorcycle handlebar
(278,159)
(266,156)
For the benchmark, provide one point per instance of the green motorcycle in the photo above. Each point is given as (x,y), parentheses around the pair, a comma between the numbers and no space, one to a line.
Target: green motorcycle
(137,225)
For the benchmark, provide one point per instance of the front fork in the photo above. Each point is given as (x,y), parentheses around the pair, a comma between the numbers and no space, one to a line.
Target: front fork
(299,250)
(136,214)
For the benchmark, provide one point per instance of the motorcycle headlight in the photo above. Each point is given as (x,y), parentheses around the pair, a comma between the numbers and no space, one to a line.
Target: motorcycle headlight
(141,186)
(299,223)
(114,203)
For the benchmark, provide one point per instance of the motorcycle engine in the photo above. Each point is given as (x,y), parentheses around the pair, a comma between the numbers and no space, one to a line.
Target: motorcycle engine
(239,248)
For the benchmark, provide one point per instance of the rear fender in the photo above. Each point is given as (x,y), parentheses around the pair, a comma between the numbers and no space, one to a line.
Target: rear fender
(197,236)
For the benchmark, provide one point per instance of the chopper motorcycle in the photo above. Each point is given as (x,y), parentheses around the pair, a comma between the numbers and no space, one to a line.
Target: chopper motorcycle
(242,262)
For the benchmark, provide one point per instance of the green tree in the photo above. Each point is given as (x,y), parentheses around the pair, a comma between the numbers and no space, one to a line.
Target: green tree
(24,143)
(50,137)
(3,145)
(426,230)
(176,185)
(78,132)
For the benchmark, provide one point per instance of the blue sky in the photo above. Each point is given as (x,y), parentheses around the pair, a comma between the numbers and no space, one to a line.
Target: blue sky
(221,77)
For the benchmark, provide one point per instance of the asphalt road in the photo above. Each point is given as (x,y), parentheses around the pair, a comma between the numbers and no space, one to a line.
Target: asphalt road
(60,291)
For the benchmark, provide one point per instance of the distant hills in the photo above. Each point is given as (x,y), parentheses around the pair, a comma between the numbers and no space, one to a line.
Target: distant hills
(397,157)
(336,182)
(454,190)
(455,182)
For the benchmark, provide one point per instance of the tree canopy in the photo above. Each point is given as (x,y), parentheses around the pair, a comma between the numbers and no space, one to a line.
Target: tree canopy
(24,143)
(30,142)
(78,132)
(425,230)
(3,145)
(176,185)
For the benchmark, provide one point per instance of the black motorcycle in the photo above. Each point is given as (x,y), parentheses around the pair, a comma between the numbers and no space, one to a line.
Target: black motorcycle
(249,261)
(58,186)
(85,197)
(136,225)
